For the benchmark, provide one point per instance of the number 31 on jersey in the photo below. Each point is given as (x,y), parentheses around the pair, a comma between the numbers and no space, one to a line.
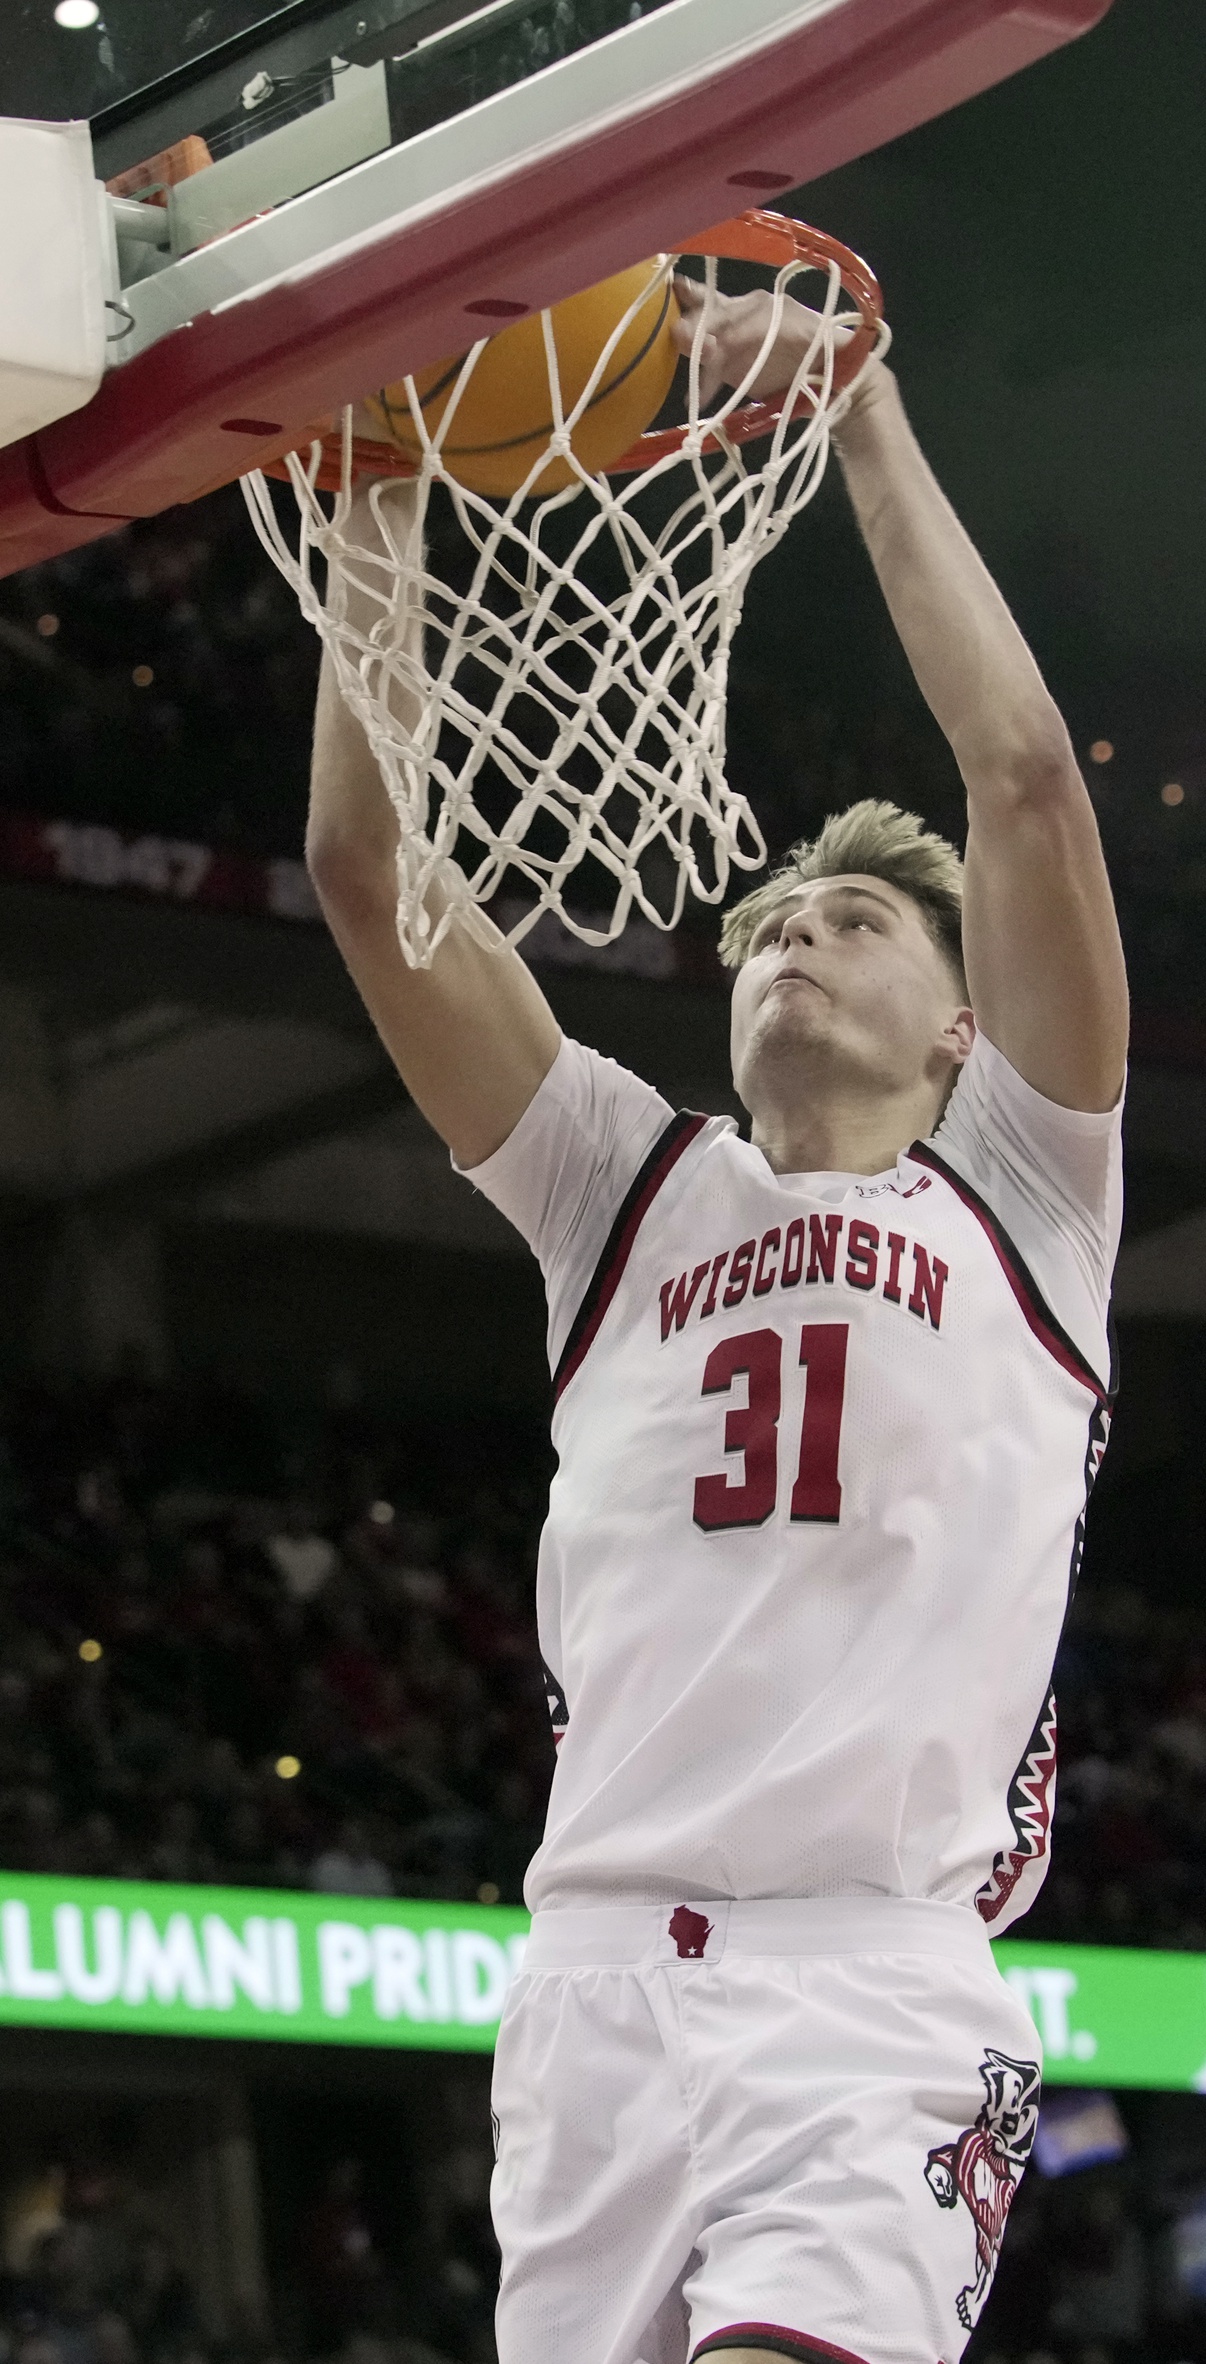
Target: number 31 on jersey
(752,1428)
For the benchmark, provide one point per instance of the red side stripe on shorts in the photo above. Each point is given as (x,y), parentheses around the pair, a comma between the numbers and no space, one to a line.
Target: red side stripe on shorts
(1034,1309)
(663,1157)
(777,2337)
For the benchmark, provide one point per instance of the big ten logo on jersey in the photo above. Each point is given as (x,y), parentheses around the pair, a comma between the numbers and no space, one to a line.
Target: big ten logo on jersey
(819,1252)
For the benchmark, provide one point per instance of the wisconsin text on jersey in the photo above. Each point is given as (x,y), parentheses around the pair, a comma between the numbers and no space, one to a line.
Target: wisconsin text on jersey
(807,1251)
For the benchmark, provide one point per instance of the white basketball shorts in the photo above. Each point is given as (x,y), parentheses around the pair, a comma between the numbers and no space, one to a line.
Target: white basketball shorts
(792,2126)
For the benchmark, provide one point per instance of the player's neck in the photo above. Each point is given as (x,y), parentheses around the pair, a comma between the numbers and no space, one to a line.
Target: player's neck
(841,1134)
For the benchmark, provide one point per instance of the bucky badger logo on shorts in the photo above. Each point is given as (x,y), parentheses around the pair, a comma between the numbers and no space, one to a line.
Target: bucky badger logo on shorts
(983,2168)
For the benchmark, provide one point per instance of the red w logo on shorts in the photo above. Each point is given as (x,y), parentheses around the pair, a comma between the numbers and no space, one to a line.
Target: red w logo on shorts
(690,1932)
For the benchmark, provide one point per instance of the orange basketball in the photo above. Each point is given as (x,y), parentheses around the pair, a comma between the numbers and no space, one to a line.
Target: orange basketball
(504,418)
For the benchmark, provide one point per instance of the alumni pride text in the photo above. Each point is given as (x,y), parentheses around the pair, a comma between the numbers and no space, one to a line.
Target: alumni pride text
(237,1962)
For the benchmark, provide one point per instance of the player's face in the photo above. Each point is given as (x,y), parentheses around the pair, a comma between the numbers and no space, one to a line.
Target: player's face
(844,979)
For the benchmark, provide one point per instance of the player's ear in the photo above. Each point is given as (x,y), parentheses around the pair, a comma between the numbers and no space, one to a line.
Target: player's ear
(956,1041)
(960,1034)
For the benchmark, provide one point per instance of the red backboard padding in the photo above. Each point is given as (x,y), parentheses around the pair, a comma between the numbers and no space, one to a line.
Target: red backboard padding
(180,418)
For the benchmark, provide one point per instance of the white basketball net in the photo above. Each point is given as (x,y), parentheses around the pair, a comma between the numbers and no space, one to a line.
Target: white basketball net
(588,721)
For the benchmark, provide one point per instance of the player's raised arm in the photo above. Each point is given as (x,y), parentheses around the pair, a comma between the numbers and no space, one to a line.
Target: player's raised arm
(1041,944)
(472,1036)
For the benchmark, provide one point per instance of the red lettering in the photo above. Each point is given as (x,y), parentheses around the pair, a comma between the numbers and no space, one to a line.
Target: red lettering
(793,1254)
(817,1492)
(752,1430)
(862,1261)
(896,1245)
(739,1272)
(709,1303)
(823,1236)
(929,1281)
(764,1281)
(678,1298)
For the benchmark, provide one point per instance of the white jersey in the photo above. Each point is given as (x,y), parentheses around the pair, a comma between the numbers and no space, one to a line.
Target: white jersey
(825,1443)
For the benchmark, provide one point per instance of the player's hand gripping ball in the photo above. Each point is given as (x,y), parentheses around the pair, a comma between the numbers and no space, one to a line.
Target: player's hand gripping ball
(732,331)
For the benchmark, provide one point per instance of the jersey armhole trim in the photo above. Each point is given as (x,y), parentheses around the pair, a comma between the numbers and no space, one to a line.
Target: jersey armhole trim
(677,1136)
(1033,1305)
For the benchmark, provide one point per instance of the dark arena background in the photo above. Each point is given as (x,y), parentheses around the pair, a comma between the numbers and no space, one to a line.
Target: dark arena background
(273,1439)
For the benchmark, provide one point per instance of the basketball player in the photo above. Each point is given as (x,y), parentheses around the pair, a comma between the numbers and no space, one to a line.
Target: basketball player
(828,1403)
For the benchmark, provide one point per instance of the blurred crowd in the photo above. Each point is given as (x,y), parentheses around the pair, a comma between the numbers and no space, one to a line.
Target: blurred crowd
(372,2290)
(331,1684)
(1105,2266)
(1129,1853)
(161,678)
(371,2269)
(71,2307)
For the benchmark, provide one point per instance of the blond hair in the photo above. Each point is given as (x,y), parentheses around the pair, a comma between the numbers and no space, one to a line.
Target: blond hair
(876,840)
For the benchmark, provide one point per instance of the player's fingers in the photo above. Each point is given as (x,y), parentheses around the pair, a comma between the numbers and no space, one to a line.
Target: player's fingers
(695,313)
(712,371)
(692,294)
(697,303)
(690,335)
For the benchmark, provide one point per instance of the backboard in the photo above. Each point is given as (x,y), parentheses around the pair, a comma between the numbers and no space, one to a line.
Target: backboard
(308,200)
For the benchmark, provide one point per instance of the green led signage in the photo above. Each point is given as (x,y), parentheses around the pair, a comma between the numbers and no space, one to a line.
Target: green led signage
(1113,2015)
(157,1960)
